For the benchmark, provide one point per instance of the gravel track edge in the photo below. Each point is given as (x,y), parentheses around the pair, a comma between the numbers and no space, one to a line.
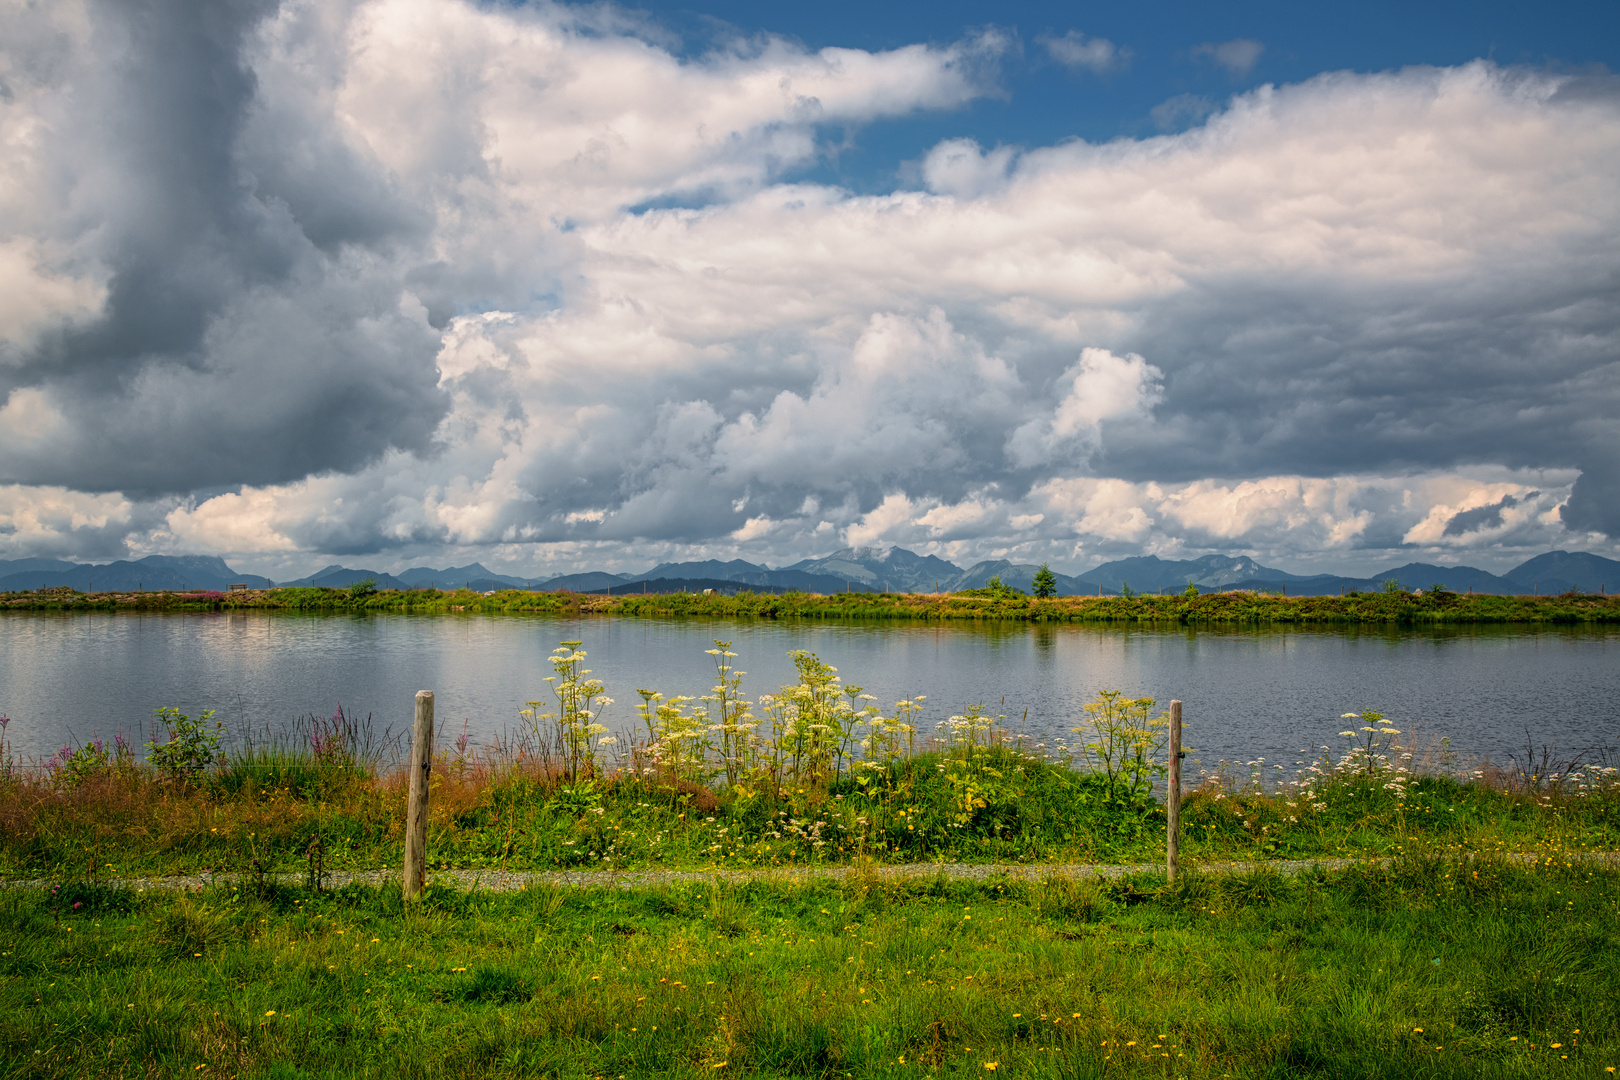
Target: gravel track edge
(514,880)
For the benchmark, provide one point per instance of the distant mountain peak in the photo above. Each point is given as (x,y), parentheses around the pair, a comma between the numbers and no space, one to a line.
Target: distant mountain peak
(206,564)
(893,568)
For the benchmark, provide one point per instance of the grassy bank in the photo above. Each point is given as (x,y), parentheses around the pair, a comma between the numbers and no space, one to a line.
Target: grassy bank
(130,826)
(1423,968)
(1212,609)
(996,804)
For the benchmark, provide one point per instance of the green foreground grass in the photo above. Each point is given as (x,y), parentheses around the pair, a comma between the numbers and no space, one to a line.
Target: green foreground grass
(1399,608)
(1424,967)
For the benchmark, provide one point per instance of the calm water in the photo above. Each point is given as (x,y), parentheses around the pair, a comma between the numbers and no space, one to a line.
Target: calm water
(1247,694)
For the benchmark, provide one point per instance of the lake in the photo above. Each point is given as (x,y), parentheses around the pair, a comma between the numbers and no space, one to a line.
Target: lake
(1248,693)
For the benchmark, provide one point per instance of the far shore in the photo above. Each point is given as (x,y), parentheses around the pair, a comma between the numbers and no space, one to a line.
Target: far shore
(1393,608)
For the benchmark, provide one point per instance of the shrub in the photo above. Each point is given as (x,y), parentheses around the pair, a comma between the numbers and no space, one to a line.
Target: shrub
(192,745)
(996,589)
(73,766)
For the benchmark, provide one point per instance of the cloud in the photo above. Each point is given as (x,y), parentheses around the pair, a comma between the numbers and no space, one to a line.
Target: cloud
(404,278)
(913,402)
(1490,512)
(1101,386)
(189,297)
(1481,517)
(1313,523)
(1181,111)
(1075,50)
(959,167)
(875,524)
(60,523)
(1594,504)
(1306,523)
(526,109)
(235,521)
(1336,524)
(1237,56)
(275,209)
(34,297)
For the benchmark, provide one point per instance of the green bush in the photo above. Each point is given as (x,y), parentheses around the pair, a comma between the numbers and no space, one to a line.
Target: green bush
(192,745)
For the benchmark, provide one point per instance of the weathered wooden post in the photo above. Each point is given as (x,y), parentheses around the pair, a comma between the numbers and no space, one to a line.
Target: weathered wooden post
(416,813)
(1172,801)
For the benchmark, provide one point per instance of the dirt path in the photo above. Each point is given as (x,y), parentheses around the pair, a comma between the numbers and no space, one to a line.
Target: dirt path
(513,880)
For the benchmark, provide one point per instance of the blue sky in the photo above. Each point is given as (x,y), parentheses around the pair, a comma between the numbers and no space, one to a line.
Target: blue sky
(563,287)
(1165,50)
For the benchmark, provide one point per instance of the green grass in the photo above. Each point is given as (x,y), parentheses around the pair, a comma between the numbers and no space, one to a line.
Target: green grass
(1210,609)
(1421,968)
(275,767)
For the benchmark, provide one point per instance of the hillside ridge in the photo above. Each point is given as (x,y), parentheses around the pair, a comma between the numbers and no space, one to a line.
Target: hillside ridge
(890,570)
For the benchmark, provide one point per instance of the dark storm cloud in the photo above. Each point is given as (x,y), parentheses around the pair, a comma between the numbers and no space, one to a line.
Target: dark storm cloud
(1595,503)
(255,327)
(163,116)
(1483,517)
(1322,380)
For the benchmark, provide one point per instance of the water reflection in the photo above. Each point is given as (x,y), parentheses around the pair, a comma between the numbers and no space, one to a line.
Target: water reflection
(1248,692)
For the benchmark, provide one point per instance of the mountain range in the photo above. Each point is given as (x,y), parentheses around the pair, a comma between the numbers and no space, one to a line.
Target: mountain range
(180,573)
(860,569)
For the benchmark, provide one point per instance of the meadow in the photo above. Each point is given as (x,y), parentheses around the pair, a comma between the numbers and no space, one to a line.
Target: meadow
(1427,966)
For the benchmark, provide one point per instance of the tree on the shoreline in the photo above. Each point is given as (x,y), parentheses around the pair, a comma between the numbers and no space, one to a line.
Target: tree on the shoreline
(1045,583)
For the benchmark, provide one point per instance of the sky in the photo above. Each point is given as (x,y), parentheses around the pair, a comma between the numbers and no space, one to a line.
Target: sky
(559,287)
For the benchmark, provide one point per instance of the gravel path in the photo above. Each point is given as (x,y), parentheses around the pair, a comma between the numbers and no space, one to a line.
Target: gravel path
(511,881)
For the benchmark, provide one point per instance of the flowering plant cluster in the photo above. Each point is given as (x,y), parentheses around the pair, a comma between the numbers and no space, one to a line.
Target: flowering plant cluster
(1127,744)
(813,733)
(575,734)
(71,766)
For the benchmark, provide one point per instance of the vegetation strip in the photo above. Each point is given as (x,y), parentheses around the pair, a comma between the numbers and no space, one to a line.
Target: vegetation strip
(814,775)
(1397,607)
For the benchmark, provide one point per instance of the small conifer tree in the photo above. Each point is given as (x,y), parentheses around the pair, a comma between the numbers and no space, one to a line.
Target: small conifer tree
(1045,582)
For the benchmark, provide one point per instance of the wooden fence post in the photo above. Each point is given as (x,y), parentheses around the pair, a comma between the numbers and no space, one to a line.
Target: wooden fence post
(416,813)
(1172,802)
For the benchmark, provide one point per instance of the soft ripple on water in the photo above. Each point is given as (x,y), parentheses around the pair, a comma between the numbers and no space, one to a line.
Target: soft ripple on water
(1248,694)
